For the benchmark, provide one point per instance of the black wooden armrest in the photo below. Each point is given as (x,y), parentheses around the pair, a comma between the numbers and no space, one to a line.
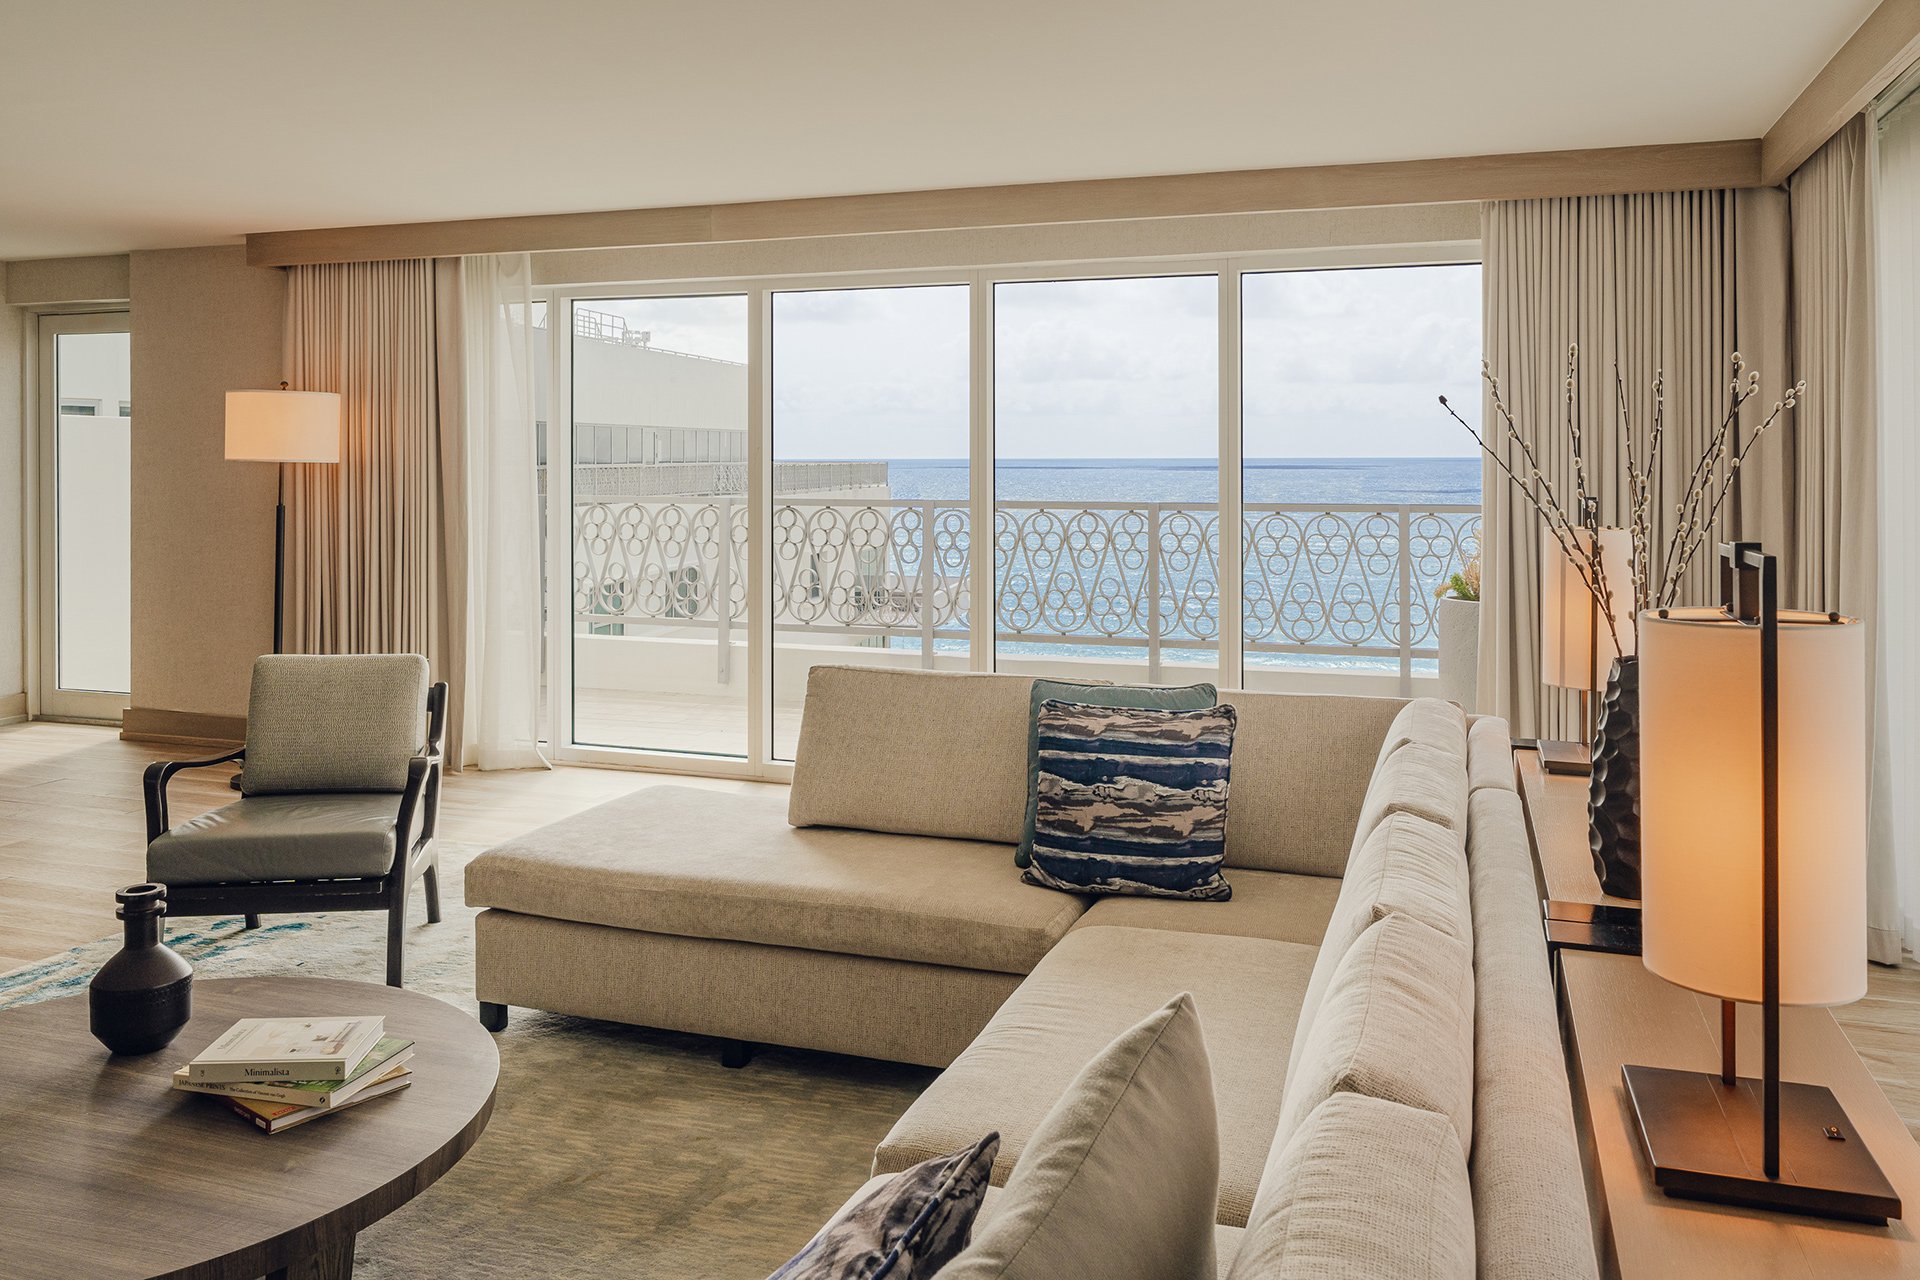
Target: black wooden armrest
(154,784)
(423,784)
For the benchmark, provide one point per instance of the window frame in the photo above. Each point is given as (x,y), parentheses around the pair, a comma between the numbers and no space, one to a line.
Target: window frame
(759,764)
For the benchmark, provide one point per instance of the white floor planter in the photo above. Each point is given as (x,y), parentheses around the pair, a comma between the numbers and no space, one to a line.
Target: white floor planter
(1457,623)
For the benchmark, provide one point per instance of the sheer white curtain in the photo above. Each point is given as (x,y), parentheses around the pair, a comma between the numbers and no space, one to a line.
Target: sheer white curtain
(1895,822)
(497,460)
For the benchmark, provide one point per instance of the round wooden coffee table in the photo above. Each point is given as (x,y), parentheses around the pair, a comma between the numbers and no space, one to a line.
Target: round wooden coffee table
(106,1171)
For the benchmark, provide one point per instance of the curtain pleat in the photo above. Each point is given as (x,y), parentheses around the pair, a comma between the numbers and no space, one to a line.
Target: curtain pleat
(1650,281)
(363,535)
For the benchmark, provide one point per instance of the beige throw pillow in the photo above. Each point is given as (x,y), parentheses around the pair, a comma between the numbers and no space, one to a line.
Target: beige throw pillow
(1120,1180)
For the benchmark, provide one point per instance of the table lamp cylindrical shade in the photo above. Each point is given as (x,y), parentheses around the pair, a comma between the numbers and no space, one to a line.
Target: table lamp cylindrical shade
(283,426)
(1568,623)
(1702,805)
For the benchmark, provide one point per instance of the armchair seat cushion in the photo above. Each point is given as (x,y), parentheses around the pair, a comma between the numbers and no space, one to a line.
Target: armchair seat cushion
(310,836)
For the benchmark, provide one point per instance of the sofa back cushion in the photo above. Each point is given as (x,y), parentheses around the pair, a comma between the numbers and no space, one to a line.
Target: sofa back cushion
(1365,1190)
(1396,1023)
(921,753)
(1432,723)
(1301,763)
(1428,782)
(1408,866)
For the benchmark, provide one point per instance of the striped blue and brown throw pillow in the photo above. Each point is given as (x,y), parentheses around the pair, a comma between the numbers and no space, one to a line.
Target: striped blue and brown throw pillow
(1132,801)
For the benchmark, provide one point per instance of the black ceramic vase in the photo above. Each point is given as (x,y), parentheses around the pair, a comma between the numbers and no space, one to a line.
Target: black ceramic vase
(143,996)
(1613,795)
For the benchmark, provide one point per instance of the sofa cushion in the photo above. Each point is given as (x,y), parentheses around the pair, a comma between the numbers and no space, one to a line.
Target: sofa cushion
(1265,904)
(1529,1195)
(1132,801)
(928,753)
(906,1228)
(288,837)
(1421,780)
(1301,763)
(1119,1178)
(1396,1023)
(1091,987)
(1430,722)
(334,722)
(1490,755)
(706,864)
(1407,865)
(1095,693)
(1366,1190)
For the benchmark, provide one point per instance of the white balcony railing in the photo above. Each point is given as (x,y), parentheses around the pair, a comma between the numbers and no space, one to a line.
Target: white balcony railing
(1339,580)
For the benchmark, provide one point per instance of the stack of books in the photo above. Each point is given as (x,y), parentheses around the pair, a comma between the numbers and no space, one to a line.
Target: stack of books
(283,1072)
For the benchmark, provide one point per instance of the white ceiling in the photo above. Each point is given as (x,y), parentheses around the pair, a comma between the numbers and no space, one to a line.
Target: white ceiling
(128,124)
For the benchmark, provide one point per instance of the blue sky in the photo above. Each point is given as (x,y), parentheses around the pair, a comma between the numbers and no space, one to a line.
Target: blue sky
(1337,363)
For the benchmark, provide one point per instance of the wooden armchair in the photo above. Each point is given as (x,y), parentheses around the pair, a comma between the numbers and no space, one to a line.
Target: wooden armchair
(340,798)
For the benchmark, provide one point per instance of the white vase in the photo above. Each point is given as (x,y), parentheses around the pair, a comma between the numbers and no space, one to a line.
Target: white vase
(1457,624)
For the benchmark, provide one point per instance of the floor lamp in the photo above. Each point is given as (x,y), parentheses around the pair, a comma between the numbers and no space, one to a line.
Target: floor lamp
(282,426)
(1576,648)
(1753,827)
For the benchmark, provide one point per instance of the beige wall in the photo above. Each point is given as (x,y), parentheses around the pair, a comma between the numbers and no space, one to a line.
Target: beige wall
(13,420)
(204,323)
(47,282)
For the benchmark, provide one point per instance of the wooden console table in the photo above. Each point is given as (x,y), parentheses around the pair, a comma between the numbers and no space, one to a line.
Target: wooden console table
(1614,1012)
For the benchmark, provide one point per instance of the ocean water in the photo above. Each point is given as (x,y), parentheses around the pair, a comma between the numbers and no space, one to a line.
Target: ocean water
(1304,480)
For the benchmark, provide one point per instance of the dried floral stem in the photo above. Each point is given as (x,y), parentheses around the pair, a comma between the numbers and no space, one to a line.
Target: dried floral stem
(1709,484)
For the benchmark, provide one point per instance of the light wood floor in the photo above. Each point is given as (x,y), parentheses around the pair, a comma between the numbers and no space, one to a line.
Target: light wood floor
(72,830)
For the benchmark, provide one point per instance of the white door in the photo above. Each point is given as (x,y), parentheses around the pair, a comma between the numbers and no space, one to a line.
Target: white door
(85,563)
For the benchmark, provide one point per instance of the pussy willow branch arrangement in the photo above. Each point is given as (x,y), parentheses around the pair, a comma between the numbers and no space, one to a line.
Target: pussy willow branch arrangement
(1658,574)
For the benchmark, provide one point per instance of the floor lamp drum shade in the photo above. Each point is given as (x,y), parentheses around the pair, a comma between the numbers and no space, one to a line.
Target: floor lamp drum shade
(1570,627)
(1703,801)
(283,426)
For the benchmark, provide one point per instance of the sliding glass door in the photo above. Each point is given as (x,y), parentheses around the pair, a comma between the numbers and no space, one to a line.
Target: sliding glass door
(870,485)
(659,523)
(1230,470)
(86,470)
(1106,480)
(1361,497)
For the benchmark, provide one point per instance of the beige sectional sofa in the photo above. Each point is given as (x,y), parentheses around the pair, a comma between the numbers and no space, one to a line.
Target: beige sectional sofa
(1383,942)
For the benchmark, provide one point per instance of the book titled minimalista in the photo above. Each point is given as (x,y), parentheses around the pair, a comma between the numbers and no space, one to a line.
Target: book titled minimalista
(287,1049)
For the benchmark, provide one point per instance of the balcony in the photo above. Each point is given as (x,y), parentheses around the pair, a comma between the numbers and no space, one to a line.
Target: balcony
(1334,596)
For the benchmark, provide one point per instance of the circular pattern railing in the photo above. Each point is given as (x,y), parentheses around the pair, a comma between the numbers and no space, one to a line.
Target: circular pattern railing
(1337,579)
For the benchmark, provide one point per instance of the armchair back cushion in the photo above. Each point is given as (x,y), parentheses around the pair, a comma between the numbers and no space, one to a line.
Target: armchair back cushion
(346,722)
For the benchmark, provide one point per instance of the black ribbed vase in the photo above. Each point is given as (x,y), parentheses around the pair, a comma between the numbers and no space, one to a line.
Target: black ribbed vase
(1613,795)
(143,996)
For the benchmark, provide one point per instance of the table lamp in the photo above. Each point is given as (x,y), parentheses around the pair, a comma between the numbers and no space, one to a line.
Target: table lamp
(282,426)
(1576,648)
(1753,830)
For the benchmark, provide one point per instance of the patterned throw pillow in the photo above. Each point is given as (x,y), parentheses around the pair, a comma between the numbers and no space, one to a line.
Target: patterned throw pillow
(1132,801)
(907,1229)
(1190,697)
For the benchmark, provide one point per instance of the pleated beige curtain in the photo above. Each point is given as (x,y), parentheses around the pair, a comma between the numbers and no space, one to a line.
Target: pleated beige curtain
(1832,559)
(1668,282)
(364,537)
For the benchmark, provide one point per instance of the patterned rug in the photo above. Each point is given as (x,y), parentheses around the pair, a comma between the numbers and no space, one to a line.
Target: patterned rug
(612,1150)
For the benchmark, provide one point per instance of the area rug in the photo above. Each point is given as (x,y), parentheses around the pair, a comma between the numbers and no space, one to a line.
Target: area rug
(613,1151)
